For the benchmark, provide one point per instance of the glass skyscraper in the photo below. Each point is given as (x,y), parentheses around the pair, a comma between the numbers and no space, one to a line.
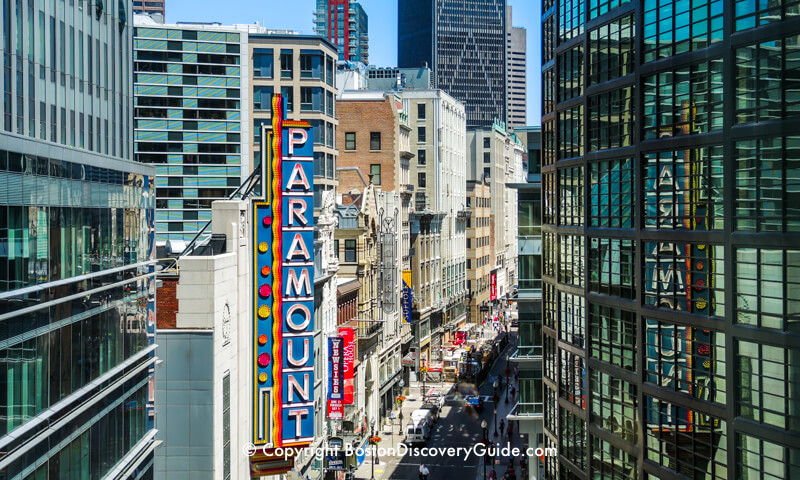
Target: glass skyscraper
(464,44)
(189,119)
(671,209)
(345,24)
(77,290)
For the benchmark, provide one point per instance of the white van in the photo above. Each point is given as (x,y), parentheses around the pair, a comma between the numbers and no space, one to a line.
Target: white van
(424,415)
(417,432)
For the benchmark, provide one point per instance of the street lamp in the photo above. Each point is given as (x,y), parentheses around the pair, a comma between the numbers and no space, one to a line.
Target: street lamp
(485,443)
(495,419)
(402,385)
(374,452)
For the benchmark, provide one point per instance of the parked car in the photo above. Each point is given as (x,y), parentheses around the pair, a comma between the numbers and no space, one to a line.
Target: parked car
(417,432)
(433,408)
(436,398)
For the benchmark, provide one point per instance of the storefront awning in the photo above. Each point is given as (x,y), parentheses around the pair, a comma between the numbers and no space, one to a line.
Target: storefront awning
(348,287)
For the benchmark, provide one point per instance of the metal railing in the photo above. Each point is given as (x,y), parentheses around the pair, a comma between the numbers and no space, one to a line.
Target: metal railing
(244,191)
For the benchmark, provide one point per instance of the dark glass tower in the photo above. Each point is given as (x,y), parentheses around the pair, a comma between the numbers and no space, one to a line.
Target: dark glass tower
(671,204)
(464,44)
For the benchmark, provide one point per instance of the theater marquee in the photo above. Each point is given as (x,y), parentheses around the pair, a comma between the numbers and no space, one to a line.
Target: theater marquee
(283,287)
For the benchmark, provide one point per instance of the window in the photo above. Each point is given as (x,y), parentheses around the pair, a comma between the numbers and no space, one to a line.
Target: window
(310,65)
(611,50)
(751,14)
(375,174)
(612,193)
(685,277)
(684,101)
(767,288)
(421,179)
(421,135)
(768,377)
(421,157)
(262,97)
(336,249)
(374,140)
(612,266)
(570,195)
(765,85)
(571,382)
(572,320)
(681,27)
(350,251)
(613,334)
(420,111)
(682,186)
(487,142)
(487,157)
(570,79)
(570,15)
(350,141)
(306,99)
(600,7)
(548,143)
(286,63)
(288,96)
(756,459)
(767,194)
(614,406)
(611,119)
(671,428)
(570,142)
(548,38)
(262,63)
(487,172)
(570,261)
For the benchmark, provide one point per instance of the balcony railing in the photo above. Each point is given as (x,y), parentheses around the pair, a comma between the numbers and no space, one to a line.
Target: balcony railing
(531,410)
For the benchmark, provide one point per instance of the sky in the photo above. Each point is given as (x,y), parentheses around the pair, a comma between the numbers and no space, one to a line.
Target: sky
(299,15)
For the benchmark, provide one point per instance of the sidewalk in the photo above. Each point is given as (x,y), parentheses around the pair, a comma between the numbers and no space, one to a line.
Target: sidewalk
(393,435)
(503,409)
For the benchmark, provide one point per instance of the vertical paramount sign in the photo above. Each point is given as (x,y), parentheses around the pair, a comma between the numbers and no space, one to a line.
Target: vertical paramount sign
(283,283)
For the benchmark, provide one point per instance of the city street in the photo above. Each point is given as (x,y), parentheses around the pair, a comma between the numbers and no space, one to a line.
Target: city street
(455,428)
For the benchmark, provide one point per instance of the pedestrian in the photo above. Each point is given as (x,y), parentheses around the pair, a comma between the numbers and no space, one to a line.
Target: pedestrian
(423,472)
(502,426)
(510,432)
(512,393)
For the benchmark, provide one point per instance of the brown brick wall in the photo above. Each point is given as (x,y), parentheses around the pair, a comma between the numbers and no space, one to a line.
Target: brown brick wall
(167,303)
(364,117)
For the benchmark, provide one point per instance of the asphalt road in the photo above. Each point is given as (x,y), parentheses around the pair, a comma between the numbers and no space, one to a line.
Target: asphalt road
(455,428)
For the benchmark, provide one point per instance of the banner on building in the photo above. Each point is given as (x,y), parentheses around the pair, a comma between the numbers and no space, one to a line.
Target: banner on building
(335,377)
(407,296)
(493,286)
(283,287)
(349,356)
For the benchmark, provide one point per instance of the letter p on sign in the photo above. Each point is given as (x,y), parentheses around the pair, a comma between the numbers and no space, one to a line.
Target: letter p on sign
(297,136)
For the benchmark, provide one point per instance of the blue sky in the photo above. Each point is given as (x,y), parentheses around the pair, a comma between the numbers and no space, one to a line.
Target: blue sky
(298,15)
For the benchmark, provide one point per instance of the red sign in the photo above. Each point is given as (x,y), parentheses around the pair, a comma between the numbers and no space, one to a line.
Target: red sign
(493,286)
(336,409)
(349,336)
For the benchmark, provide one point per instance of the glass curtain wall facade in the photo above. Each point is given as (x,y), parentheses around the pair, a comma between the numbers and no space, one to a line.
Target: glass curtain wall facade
(464,44)
(188,121)
(77,291)
(691,296)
